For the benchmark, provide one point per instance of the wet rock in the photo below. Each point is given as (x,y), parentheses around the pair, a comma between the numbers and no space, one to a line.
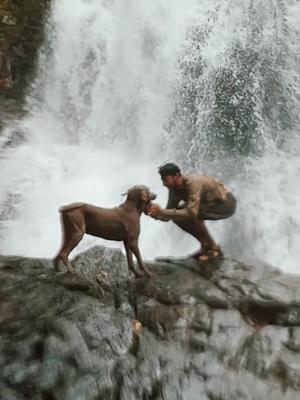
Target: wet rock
(260,351)
(21,29)
(294,339)
(288,369)
(217,331)
(5,69)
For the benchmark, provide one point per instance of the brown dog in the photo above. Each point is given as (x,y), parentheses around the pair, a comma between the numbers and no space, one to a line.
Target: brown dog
(121,223)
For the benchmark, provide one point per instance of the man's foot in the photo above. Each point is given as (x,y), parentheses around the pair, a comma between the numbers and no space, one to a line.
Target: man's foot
(211,254)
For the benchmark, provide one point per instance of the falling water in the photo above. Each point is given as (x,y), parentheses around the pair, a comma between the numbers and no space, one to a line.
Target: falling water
(122,86)
(239,93)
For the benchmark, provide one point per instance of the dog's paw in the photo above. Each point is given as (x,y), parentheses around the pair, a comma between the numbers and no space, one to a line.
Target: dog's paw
(139,274)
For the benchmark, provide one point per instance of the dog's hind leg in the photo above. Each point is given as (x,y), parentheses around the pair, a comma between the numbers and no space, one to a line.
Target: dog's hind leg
(57,261)
(68,247)
(130,261)
(71,236)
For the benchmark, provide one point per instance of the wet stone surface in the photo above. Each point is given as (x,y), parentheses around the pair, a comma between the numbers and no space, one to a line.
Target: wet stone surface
(212,332)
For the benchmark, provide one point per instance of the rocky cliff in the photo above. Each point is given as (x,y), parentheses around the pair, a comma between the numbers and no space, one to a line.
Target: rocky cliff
(21,33)
(212,332)
(21,29)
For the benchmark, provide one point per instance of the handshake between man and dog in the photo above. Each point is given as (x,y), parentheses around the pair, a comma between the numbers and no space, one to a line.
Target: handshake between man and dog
(120,223)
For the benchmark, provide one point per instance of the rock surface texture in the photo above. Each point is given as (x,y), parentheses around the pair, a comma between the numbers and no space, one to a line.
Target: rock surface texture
(218,331)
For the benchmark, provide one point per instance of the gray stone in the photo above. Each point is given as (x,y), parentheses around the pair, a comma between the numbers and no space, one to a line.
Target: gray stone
(224,330)
(260,351)
(294,339)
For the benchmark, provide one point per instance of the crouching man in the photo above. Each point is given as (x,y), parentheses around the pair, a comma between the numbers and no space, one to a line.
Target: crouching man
(193,199)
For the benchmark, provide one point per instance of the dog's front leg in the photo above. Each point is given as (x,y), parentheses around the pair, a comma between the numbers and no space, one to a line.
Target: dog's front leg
(130,261)
(136,252)
(62,262)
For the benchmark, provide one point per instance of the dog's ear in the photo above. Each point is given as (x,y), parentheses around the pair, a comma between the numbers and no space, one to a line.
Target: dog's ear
(133,194)
(144,196)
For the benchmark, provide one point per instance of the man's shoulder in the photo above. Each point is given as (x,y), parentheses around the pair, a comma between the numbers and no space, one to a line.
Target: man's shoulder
(197,182)
(196,178)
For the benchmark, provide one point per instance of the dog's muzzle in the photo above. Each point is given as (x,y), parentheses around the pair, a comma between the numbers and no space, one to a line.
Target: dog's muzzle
(152,196)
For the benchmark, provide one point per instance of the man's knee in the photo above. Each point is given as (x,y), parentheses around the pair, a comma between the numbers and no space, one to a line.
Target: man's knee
(190,225)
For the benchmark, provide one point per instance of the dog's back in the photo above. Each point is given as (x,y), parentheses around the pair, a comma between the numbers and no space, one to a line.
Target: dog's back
(107,223)
(70,207)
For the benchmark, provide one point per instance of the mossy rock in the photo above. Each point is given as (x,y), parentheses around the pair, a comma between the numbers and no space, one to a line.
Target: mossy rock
(21,33)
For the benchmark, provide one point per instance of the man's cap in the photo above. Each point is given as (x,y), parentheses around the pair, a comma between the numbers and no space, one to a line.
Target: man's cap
(168,169)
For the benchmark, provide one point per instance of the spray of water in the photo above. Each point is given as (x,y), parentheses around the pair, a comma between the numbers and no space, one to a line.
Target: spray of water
(96,117)
(239,104)
(124,85)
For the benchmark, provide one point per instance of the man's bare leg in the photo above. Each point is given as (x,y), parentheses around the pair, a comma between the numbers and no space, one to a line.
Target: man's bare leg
(197,228)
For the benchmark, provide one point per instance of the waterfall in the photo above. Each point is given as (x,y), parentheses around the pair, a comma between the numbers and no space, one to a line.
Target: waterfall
(123,86)
(239,93)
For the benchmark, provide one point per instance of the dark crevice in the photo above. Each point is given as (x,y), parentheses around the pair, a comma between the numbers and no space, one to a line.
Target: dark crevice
(134,348)
(259,315)
(39,350)
(156,391)
(47,395)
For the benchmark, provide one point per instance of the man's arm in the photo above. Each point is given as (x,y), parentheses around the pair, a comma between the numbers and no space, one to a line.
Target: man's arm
(190,210)
(172,204)
(156,211)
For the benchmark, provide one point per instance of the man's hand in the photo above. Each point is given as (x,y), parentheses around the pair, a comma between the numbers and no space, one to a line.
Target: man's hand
(154,210)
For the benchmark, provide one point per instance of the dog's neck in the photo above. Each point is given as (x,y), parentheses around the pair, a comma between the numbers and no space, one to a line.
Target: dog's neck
(131,205)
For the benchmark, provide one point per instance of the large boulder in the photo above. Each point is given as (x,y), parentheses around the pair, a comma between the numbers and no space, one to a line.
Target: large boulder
(225,330)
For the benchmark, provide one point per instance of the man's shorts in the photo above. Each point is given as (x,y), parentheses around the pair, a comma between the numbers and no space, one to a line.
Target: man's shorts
(218,209)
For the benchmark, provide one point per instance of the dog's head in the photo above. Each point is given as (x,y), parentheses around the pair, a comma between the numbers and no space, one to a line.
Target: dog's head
(141,196)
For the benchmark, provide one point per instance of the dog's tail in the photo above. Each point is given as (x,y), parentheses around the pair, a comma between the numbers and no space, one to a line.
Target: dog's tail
(71,207)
